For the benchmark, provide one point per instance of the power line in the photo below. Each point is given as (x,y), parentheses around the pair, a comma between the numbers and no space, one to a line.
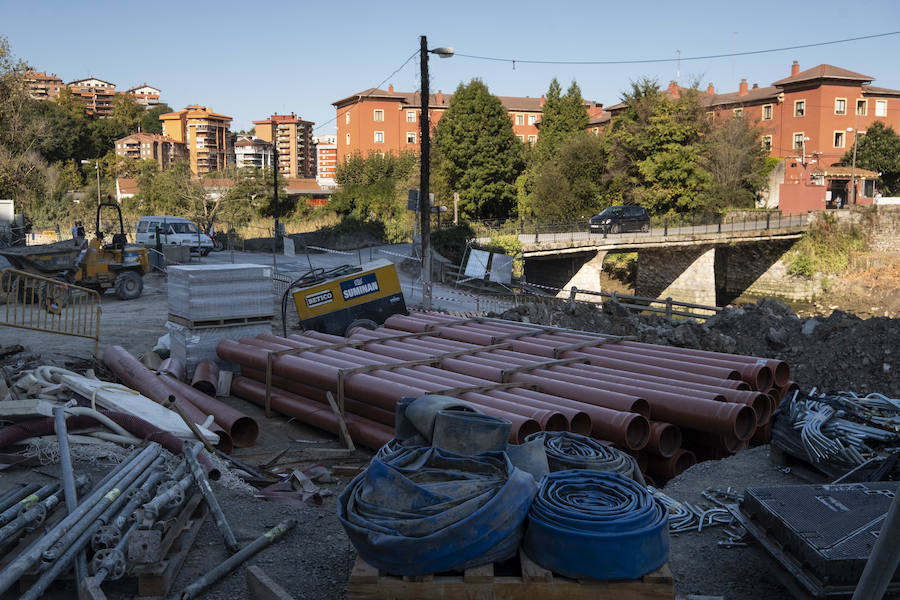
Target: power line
(515,61)
(383,81)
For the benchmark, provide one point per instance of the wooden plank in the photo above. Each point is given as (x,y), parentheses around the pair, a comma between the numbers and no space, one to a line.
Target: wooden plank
(363,572)
(30,408)
(660,575)
(479,574)
(89,590)
(261,586)
(345,433)
(531,571)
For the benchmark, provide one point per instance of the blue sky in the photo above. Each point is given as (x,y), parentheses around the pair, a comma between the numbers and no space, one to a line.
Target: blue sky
(251,59)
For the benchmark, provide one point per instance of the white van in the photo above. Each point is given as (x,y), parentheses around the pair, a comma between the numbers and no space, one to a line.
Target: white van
(176,231)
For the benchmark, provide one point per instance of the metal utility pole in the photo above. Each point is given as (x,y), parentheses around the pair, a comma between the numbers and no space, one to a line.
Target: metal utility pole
(853,168)
(424,174)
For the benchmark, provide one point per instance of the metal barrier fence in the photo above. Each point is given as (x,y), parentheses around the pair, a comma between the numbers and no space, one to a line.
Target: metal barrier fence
(48,305)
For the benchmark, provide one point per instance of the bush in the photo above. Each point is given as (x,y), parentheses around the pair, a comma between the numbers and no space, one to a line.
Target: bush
(450,242)
(825,249)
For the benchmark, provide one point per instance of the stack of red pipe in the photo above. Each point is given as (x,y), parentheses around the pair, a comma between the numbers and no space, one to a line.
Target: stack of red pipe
(647,399)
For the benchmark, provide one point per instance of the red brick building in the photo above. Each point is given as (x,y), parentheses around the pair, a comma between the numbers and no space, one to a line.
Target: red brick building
(810,119)
(42,86)
(292,137)
(96,94)
(385,121)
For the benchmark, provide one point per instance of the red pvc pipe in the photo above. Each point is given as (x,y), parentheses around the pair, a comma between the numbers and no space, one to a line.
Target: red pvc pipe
(206,377)
(667,468)
(665,439)
(371,434)
(243,429)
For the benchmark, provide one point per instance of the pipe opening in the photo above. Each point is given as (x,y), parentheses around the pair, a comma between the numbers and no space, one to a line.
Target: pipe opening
(685,461)
(668,440)
(556,422)
(637,432)
(581,424)
(762,406)
(782,374)
(244,432)
(744,422)
(528,427)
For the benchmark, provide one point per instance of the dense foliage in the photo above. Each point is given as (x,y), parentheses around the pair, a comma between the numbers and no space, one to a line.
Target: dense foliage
(879,150)
(476,153)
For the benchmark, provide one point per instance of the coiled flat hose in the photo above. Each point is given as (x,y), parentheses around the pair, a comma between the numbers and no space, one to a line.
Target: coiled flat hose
(566,450)
(596,525)
(424,510)
(469,433)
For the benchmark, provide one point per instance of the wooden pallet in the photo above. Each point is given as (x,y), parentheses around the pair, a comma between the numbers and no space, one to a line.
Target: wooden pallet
(207,323)
(515,579)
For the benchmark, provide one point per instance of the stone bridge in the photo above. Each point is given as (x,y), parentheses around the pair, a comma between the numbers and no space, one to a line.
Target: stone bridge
(709,264)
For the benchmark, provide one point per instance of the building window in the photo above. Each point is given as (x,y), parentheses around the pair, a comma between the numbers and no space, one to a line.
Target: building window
(840,106)
(378,115)
(532,139)
(767,112)
(881,108)
(520,119)
(838,139)
(410,116)
(379,137)
(348,139)
(410,137)
(521,138)
(532,119)
(738,113)
(798,141)
(799,108)
(868,188)
(347,118)
(767,143)
(862,107)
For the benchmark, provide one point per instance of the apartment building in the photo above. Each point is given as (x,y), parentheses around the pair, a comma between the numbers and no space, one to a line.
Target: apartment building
(292,137)
(326,160)
(384,121)
(205,134)
(96,94)
(42,86)
(145,95)
(144,146)
(252,152)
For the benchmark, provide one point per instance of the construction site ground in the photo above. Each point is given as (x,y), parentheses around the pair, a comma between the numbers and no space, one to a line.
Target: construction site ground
(839,351)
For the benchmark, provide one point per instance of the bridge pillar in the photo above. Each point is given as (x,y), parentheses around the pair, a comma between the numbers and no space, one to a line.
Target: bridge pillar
(587,277)
(687,274)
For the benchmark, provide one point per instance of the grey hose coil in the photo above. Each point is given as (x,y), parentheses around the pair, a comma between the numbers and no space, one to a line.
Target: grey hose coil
(469,433)
(566,450)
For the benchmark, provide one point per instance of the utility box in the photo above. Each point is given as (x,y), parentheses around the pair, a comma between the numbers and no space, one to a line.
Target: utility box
(370,294)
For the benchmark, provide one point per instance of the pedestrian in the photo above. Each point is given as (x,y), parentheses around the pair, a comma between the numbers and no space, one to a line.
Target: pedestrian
(75,232)
(79,232)
(839,202)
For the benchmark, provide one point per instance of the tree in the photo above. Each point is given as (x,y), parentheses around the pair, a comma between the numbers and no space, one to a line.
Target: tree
(150,122)
(879,150)
(374,188)
(477,154)
(568,187)
(655,151)
(127,113)
(737,162)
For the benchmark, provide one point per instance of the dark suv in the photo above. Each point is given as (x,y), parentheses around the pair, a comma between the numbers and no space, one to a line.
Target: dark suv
(616,219)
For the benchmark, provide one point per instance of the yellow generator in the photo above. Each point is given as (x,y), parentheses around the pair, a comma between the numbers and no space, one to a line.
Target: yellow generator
(338,300)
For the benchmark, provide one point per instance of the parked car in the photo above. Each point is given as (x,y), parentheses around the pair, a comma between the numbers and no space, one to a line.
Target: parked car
(616,219)
(172,231)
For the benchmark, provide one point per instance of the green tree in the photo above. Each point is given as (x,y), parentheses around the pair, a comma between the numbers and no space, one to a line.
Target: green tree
(737,163)
(248,198)
(568,186)
(150,122)
(127,113)
(22,168)
(655,151)
(477,155)
(879,150)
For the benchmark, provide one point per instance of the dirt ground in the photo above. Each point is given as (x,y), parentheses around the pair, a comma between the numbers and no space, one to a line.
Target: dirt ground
(840,351)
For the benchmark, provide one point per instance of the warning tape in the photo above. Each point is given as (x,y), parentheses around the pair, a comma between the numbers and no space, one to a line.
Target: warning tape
(330,251)
(400,255)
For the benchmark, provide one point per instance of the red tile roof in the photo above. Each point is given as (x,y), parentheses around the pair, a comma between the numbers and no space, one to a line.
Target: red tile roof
(823,72)
(871,90)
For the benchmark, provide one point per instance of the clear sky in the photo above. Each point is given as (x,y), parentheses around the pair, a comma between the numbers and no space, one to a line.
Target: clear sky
(250,59)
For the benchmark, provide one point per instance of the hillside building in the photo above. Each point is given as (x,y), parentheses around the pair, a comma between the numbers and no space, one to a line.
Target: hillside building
(205,134)
(292,136)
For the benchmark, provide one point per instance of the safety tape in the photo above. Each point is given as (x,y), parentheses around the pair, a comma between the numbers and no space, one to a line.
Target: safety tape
(398,254)
(330,251)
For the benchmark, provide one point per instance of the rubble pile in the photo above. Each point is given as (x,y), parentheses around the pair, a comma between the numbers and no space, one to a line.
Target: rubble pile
(833,353)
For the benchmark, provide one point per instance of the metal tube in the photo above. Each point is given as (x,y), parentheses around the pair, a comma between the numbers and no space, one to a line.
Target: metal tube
(88,508)
(883,560)
(271,536)
(68,477)
(190,455)
(206,377)
(16,495)
(42,492)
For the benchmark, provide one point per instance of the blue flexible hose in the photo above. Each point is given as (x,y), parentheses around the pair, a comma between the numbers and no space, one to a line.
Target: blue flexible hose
(566,450)
(596,525)
(423,510)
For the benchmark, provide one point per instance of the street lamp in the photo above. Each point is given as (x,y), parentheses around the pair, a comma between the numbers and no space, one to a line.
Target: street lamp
(853,166)
(424,172)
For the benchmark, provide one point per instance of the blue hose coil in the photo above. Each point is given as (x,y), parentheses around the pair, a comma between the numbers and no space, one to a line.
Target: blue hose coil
(596,525)
(567,450)
(423,510)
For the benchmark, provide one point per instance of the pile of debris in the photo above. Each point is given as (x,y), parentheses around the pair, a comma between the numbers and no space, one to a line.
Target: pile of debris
(833,353)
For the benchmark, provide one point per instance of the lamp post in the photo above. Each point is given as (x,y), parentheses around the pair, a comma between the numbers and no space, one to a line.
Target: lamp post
(97,165)
(853,166)
(425,167)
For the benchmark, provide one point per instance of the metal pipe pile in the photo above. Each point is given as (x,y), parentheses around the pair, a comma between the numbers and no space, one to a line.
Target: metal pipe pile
(539,378)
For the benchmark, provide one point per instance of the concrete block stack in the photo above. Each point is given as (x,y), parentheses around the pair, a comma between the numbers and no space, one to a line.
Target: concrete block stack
(210,303)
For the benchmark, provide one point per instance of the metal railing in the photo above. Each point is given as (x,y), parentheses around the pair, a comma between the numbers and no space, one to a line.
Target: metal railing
(691,224)
(43,304)
(640,303)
